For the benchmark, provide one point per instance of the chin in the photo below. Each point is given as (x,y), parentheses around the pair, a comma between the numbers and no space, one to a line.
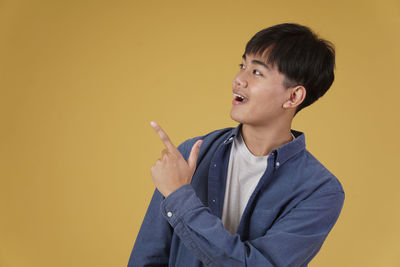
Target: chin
(236,118)
(251,121)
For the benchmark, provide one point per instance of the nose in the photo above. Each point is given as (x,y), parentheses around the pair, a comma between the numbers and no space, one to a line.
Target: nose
(240,80)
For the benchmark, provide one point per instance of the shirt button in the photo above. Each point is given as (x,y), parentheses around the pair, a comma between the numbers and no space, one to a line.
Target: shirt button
(213,200)
(169,214)
(277,164)
(215,165)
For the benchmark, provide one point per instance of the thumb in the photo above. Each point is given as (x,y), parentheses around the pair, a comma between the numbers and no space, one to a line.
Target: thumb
(194,153)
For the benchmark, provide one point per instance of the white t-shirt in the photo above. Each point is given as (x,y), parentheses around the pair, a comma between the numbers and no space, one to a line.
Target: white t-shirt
(244,172)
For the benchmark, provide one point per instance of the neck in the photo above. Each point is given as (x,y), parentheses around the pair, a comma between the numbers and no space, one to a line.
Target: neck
(262,139)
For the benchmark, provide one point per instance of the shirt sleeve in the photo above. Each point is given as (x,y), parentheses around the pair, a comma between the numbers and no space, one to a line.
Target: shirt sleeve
(293,240)
(153,241)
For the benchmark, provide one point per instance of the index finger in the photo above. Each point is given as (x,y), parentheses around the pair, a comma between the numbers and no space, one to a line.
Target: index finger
(163,136)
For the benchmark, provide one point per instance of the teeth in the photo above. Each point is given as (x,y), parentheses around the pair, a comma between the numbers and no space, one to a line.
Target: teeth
(242,97)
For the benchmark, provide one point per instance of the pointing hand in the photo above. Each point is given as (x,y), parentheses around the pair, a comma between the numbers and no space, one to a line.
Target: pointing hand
(172,170)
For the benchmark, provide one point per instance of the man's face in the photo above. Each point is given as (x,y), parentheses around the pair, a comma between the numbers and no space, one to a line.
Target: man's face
(262,87)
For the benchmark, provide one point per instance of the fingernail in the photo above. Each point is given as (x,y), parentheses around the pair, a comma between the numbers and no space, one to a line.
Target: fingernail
(152,123)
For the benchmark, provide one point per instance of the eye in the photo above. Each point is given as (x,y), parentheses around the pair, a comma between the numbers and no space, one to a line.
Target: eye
(256,72)
(241,66)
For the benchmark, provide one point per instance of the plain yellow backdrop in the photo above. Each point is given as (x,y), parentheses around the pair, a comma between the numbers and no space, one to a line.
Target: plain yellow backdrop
(81,80)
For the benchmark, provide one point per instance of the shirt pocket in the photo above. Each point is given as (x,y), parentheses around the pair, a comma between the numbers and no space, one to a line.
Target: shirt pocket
(260,221)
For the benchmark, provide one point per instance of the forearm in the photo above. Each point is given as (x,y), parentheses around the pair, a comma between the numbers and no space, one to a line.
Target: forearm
(152,244)
(285,244)
(204,235)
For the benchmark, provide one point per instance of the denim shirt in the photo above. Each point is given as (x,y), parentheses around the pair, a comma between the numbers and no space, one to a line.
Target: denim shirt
(287,218)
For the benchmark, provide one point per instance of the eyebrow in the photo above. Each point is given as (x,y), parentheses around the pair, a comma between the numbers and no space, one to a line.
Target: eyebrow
(258,62)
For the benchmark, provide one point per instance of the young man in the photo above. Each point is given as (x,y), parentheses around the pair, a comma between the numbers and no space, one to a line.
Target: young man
(251,195)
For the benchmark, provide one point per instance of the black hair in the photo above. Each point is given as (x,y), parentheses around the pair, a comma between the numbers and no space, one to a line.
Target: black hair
(300,55)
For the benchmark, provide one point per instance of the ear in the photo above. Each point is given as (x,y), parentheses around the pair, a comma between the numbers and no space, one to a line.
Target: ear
(296,97)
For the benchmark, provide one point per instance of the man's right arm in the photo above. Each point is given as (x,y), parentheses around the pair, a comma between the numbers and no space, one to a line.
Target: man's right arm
(153,242)
(152,245)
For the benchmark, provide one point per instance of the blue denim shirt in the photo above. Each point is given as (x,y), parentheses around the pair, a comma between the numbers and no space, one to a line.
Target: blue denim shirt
(290,213)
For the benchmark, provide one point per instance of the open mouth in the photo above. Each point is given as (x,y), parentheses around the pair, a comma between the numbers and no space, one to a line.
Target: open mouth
(239,98)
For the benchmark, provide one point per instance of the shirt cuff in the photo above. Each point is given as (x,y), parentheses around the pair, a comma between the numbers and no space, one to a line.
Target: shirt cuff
(178,203)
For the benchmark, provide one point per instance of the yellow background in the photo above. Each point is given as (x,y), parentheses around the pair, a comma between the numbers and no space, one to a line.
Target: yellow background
(81,80)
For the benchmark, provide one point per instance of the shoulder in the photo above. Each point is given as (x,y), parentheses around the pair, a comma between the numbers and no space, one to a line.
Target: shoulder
(309,184)
(319,175)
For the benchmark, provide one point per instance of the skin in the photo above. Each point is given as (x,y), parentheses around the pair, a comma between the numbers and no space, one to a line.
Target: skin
(268,114)
(172,170)
(266,118)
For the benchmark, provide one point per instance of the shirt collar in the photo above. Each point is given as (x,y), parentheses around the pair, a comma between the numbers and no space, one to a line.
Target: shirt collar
(284,152)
